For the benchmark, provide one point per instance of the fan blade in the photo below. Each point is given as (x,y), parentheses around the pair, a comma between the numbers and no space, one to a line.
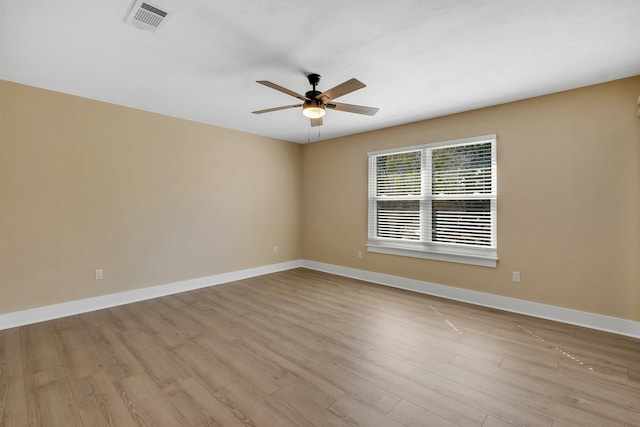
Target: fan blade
(349,108)
(342,89)
(316,122)
(283,89)
(268,110)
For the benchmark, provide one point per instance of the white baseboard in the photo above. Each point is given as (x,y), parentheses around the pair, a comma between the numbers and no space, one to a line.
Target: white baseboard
(56,311)
(544,311)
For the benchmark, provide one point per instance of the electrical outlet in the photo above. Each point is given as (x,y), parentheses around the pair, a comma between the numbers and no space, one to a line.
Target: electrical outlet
(99,274)
(515,276)
(275,249)
(359,254)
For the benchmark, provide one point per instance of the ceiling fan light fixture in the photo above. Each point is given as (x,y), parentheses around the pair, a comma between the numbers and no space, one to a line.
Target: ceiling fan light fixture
(313,109)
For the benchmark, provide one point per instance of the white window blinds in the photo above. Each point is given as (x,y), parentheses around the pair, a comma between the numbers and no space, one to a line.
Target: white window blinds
(435,198)
(398,190)
(462,190)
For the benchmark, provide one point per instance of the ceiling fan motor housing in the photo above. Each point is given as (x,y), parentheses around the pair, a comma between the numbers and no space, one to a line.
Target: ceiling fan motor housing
(314,79)
(313,94)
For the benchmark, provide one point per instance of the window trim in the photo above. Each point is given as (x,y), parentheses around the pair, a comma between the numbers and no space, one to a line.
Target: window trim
(459,253)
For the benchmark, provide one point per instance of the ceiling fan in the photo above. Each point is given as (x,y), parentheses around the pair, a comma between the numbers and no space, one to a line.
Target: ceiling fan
(315,103)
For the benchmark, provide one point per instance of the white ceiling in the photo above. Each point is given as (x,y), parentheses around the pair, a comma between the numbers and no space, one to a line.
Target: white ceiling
(419,58)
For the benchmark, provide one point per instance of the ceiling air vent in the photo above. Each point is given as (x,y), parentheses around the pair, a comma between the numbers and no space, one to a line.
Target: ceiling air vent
(147,16)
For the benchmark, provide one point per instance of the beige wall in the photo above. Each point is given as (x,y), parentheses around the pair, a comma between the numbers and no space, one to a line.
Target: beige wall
(153,200)
(568,199)
(148,198)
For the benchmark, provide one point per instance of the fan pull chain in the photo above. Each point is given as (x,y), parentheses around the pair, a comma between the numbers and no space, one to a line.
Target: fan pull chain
(309,134)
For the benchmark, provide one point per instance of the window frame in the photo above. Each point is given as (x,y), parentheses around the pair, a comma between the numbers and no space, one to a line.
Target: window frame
(425,248)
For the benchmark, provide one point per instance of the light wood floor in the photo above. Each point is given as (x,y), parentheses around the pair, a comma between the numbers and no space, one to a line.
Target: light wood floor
(302,348)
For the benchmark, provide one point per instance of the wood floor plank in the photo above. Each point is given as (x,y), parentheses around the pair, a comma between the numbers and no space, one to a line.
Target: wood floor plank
(113,355)
(147,404)
(300,335)
(377,397)
(305,411)
(634,376)
(13,411)
(495,422)
(465,387)
(412,415)
(188,406)
(581,382)
(299,376)
(263,379)
(453,410)
(177,319)
(300,348)
(80,363)
(98,403)
(562,404)
(209,370)
(319,320)
(452,342)
(214,322)
(247,404)
(158,363)
(51,402)
(75,350)
(123,318)
(519,345)
(229,326)
(351,409)
(39,349)
(177,301)
(74,335)
(221,303)
(141,316)
(220,414)
(605,371)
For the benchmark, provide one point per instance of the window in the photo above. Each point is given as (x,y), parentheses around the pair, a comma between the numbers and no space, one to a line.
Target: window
(435,201)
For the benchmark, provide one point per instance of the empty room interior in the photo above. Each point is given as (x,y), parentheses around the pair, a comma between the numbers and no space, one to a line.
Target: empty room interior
(194,233)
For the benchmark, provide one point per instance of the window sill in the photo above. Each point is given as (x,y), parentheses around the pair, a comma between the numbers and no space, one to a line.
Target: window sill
(483,258)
